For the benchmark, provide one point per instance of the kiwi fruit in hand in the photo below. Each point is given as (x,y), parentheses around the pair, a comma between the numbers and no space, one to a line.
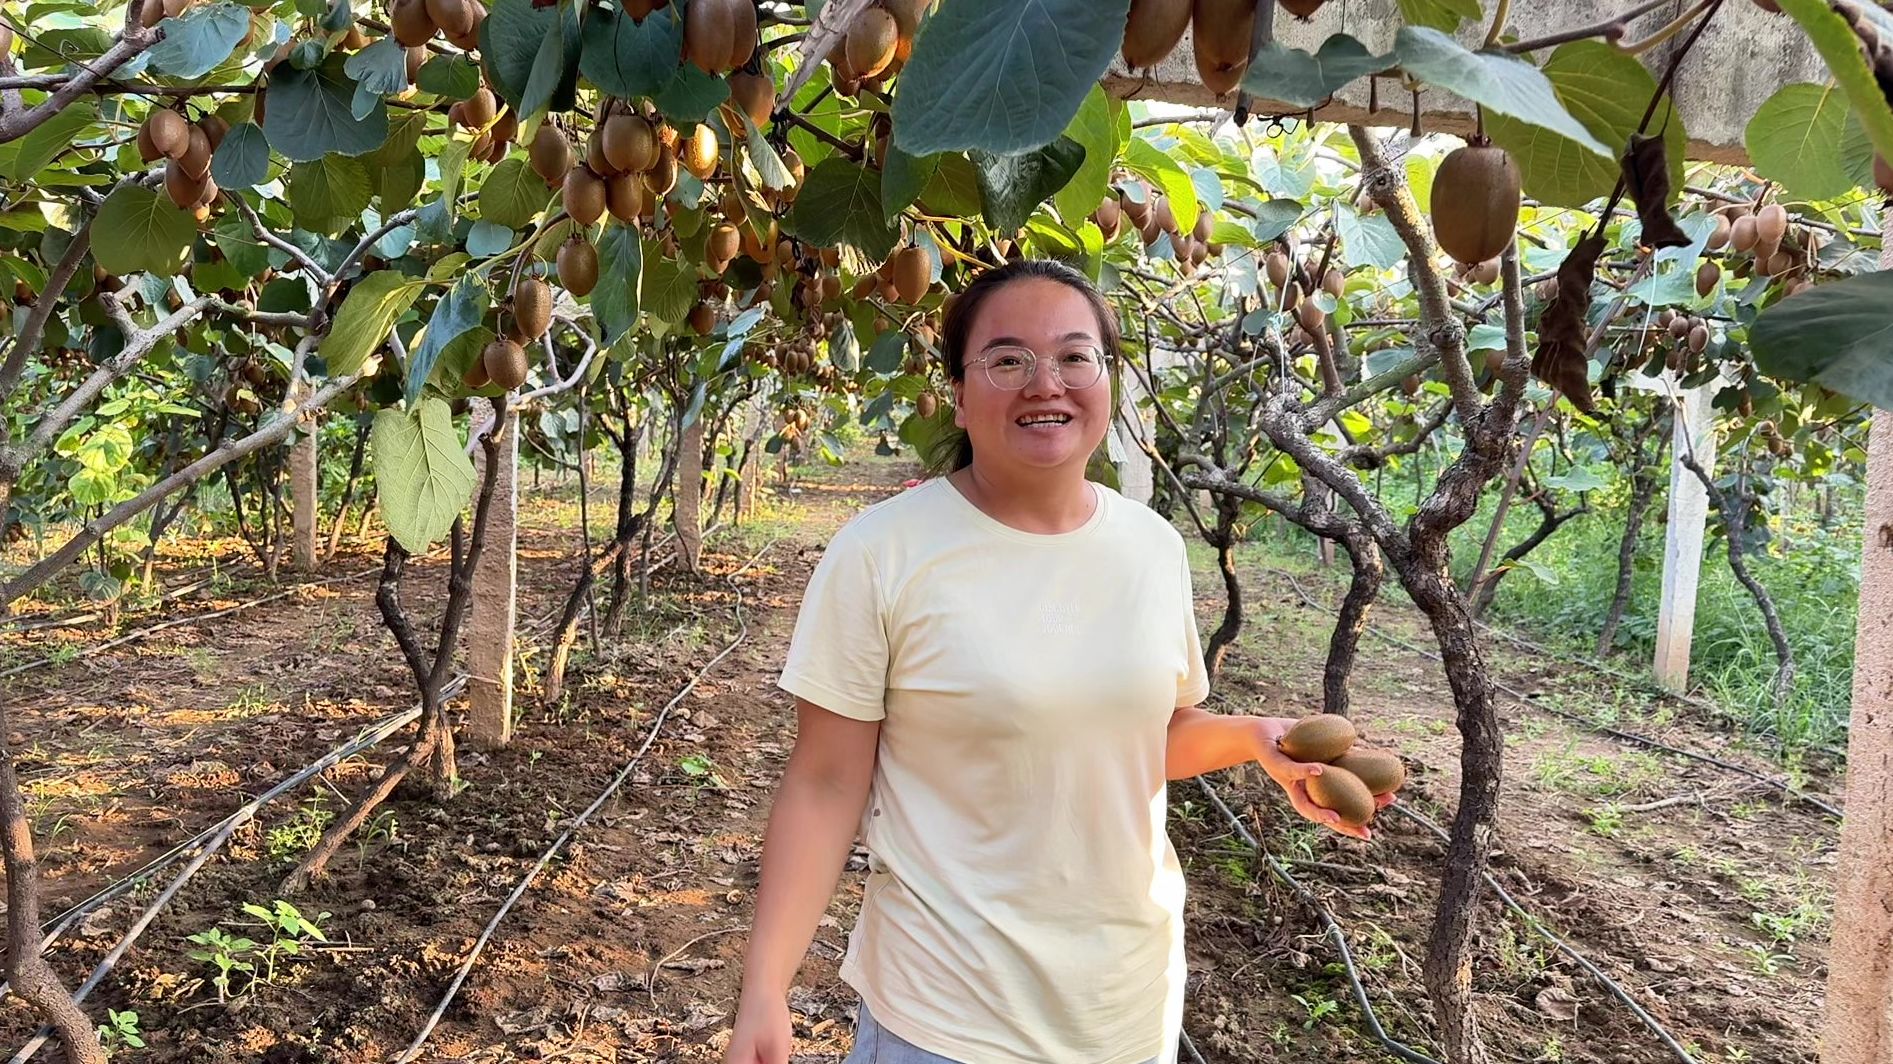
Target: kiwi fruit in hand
(1353,777)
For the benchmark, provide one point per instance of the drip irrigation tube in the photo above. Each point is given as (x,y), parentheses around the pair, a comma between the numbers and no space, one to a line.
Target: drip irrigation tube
(571,829)
(1623,736)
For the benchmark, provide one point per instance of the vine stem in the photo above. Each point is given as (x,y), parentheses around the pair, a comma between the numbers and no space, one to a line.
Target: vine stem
(1611,28)
(1500,12)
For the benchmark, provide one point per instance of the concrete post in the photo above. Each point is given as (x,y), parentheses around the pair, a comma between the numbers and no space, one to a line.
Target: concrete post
(303,487)
(1860,954)
(1136,475)
(687,495)
(494,609)
(1682,543)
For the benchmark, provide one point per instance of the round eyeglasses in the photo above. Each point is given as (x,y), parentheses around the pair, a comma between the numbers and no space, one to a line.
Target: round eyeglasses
(1012,368)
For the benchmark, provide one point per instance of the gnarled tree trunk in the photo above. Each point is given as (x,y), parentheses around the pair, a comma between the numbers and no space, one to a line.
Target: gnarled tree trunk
(1363,587)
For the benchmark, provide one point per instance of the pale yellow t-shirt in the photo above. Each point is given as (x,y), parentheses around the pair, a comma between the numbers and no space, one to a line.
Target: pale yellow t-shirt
(1023,902)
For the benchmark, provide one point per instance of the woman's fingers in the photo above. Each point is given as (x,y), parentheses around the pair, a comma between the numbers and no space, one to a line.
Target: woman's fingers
(1327,818)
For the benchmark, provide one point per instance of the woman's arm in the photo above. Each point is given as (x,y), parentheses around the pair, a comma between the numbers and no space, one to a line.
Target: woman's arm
(811,830)
(1199,742)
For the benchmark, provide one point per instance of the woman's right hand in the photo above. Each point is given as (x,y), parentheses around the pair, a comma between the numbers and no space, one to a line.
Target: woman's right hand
(762,1034)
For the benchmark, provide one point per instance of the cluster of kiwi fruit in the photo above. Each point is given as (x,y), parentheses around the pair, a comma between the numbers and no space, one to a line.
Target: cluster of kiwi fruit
(1774,248)
(1220,34)
(1689,335)
(875,46)
(1353,777)
(525,317)
(1293,283)
(416,22)
(1149,212)
(248,379)
(186,148)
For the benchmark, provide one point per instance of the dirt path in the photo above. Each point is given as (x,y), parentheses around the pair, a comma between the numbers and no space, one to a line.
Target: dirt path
(628,947)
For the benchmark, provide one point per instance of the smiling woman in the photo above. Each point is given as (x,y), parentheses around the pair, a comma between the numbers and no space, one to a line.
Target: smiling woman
(996,673)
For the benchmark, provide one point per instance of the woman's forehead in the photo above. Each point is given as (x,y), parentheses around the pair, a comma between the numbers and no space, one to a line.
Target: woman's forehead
(1035,311)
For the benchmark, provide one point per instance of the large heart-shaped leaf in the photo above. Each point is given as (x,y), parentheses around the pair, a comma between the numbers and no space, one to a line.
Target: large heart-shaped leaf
(903,177)
(554,78)
(670,288)
(625,58)
(240,247)
(616,300)
(367,316)
(379,70)
(311,113)
(1439,14)
(1832,35)
(1300,79)
(451,77)
(840,203)
(1367,239)
(422,471)
(513,195)
(1798,137)
(23,159)
(242,160)
(456,312)
(1152,163)
(1498,81)
(1003,76)
(137,229)
(197,41)
(1607,92)
(333,186)
(510,40)
(1094,130)
(690,94)
(1012,186)
(1839,334)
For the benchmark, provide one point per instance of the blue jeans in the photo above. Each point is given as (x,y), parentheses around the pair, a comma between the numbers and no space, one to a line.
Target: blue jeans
(875,1044)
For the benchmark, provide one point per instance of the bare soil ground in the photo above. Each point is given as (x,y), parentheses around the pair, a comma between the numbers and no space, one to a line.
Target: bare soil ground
(1711,910)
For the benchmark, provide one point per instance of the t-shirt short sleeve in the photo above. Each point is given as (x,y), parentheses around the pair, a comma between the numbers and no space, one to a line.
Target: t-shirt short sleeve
(838,654)
(1193,679)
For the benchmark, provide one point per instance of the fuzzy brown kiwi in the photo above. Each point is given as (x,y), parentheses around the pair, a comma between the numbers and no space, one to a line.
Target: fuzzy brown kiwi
(629,142)
(470,40)
(532,308)
(215,129)
(710,33)
(185,190)
(1342,791)
(1152,30)
(480,107)
(505,363)
(1475,202)
(147,151)
(1486,273)
(755,94)
(550,155)
(505,128)
(1322,737)
(1698,338)
(702,319)
(451,17)
(871,40)
(1302,8)
(662,175)
(927,405)
(416,59)
(584,195)
(578,267)
(1275,264)
(912,274)
(475,376)
(1742,234)
(1110,218)
(701,151)
(624,197)
(1380,770)
(1708,275)
(1334,282)
(410,23)
(722,245)
(1312,318)
(170,134)
(1719,234)
(638,9)
(1771,224)
(1220,31)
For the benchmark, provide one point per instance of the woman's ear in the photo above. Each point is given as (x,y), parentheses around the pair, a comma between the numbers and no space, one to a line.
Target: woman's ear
(959,406)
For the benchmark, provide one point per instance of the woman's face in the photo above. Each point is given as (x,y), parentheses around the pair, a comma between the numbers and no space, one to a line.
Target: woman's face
(1045,424)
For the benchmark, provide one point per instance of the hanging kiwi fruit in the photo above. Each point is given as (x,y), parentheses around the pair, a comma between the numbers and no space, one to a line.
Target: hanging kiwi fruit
(624,197)
(532,309)
(1708,275)
(1152,30)
(1475,202)
(912,274)
(578,266)
(702,318)
(719,35)
(662,176)
(1220,31)
(701,151)
(584,195)
(550,155)
(410,23)
(629,142)
(722,246)
(755,94)
(505,363)
(871,40)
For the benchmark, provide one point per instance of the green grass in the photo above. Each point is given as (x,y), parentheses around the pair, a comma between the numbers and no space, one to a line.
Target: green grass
(1812,575)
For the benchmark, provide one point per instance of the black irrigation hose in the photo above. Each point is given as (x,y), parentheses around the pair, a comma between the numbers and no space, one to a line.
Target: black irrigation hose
(1629,737)
(571,829)
(1616,991)
(1333,926)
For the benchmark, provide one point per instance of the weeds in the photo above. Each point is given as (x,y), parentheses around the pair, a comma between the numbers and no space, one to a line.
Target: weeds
(237,956)
(120,1030)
